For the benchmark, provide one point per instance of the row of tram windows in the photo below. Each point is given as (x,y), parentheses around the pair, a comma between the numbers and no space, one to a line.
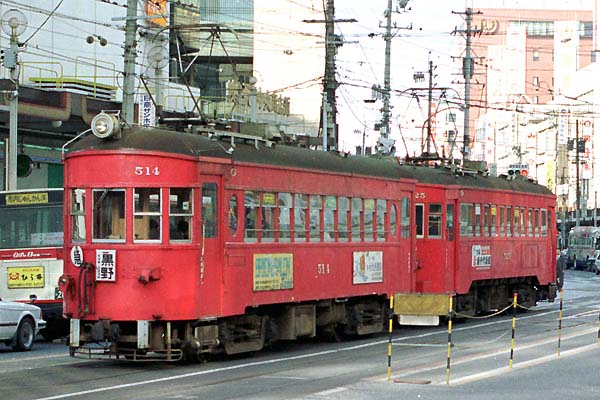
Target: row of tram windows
(109,221)
(296,217)
(504,221)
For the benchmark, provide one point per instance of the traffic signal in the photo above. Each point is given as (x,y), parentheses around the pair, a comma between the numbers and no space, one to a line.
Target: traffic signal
(518,169)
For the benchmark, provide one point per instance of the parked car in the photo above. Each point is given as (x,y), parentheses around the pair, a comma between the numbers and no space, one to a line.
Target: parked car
(595,267)
(19,324)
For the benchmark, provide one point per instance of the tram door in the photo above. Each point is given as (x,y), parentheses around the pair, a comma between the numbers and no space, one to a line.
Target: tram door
(210,256)
(435,233)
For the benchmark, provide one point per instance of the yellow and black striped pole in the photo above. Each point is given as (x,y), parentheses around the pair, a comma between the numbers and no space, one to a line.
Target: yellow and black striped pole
(560,317)
(449,340)
(514,324)
(391,324)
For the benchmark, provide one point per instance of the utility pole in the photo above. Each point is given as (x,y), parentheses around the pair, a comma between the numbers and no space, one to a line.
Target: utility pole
(330,84)
(11,62)
(429,116)
(14,23)
(129,61)
(384,144)
(577,187)
(385,126)
(468,68)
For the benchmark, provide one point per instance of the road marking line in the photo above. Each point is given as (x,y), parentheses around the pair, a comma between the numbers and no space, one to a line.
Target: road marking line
(520,365)
(274,361)
(331,391)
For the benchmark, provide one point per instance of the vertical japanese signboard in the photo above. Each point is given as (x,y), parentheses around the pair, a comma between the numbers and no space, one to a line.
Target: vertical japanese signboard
(147,111)
(106,265)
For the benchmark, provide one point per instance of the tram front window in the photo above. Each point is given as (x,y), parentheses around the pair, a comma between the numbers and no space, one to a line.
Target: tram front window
(78,215)
(108,215)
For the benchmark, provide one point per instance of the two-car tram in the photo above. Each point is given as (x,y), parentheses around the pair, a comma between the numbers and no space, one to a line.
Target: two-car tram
(180,244)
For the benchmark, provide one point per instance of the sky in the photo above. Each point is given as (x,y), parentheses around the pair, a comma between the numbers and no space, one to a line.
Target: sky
(296,57)
(362,61)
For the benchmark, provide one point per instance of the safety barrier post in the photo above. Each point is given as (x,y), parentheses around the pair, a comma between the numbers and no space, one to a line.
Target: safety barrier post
(598,328)
(560,317)
(514,323)
(449,340)
(391,323)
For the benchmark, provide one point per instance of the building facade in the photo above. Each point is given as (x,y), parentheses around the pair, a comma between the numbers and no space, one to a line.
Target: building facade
(194,58)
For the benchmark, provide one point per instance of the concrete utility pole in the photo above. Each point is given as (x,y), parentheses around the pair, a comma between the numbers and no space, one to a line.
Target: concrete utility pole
(385,122)
(14,112)
(14,23)
(468,68)
(129,61)
(384,144)
(332,42)
(429,116)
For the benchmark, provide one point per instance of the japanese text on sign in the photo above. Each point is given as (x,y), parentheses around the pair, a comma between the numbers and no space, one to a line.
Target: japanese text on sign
(367,267)
(481,256)
(26,198)
(106,265)
(147,111)
(273,271)
(25,277)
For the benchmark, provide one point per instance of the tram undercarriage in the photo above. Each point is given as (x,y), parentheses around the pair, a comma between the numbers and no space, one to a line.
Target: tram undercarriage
(259,327)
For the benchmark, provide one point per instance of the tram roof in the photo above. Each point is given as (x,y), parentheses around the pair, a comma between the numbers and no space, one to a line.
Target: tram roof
(196,145)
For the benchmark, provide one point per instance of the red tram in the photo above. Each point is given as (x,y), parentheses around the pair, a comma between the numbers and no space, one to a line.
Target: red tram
(183,244)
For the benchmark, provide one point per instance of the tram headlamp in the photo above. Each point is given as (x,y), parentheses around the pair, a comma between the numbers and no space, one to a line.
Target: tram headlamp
(105,126)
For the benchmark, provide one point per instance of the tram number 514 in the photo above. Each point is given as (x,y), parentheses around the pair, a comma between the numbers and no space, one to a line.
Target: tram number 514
(322,269)
(147,171)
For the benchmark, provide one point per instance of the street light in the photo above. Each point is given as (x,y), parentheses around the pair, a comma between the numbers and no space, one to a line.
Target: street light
(14,24)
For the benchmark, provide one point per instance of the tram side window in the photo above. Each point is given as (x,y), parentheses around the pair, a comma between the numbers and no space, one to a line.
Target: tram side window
(487,222)
(477,219)
(509,218)
(536,223)
(357,208)
(329,218)
(393,214)
(268,217)
(232,214)
(209,209)
(494,220)
(108,215)
(251,207)
(405,218)
(381,211)
(450,221)
(343,215)
(466,219)
(300,206)
(181,212)
(530,227)
(502,220)
(523,221)
(544,221)
(434,223)
(315,218)
(419,216)
(369,210)
(516,219)
(285,213)
(78,215)
(146,214)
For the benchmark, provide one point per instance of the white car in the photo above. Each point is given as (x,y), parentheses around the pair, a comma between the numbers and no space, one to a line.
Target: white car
(19,324)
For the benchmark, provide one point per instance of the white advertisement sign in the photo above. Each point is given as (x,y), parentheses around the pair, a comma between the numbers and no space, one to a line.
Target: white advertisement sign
(367,267)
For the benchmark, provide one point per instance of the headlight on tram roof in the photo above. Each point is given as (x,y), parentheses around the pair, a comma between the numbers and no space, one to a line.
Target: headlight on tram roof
(105,126)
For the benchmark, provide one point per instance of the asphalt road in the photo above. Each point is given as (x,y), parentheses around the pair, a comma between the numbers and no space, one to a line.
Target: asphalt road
(355,369)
